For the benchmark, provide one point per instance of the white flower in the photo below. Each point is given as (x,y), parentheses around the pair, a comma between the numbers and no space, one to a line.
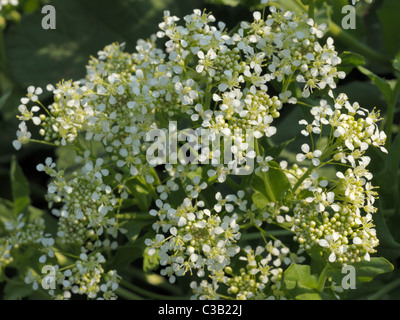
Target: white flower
(313,156)
(263,164)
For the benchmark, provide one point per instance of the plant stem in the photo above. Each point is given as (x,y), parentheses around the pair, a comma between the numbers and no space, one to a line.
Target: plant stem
(322,279)
(43,142)
(311,9)
(149,294)
(389,287)
(339,34)
(303,177)
(141,276)
(127,294)
(134,216)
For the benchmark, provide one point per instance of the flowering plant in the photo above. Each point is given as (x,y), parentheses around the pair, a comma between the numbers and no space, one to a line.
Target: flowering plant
(166,156)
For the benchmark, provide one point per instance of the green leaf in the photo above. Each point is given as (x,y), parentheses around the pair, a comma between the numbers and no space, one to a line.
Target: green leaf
(134,227)
(381,83)
(141,194)
(4,97)
(275,151)
(269,186)
(387,244)
(16,291)
(232,3)
(300,283)
(6,211)
(367,270)
(20,188)
(351,60)
(124,255)
(309,296)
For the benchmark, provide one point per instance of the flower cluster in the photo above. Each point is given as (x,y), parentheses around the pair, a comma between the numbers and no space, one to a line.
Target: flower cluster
(86,200)
(258,279)
(338,215)
(233,84)
(195,238)
(20,233)
(85,277)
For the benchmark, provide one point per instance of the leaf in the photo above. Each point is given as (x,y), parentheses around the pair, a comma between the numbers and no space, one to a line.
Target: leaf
(275,151)
(141,194)
(365,271)
(299,283)
(269,186)
(134,227)
(16,291)
(20,188)
(124,255)
(387,244)
(260,200)
(4,97)
(6,211)
(381,83)
(232,3)
(351,60)
(309,296)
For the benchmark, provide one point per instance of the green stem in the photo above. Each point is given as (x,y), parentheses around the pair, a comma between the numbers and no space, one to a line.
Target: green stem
(127,294)
(208,93)
(311,9)
(141,276)
(265,177)
(147,293)
(381,292)
(322,279)
(257,148)
(43,142)
(339,34)
(302,178)
(262,231)
(134,216)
